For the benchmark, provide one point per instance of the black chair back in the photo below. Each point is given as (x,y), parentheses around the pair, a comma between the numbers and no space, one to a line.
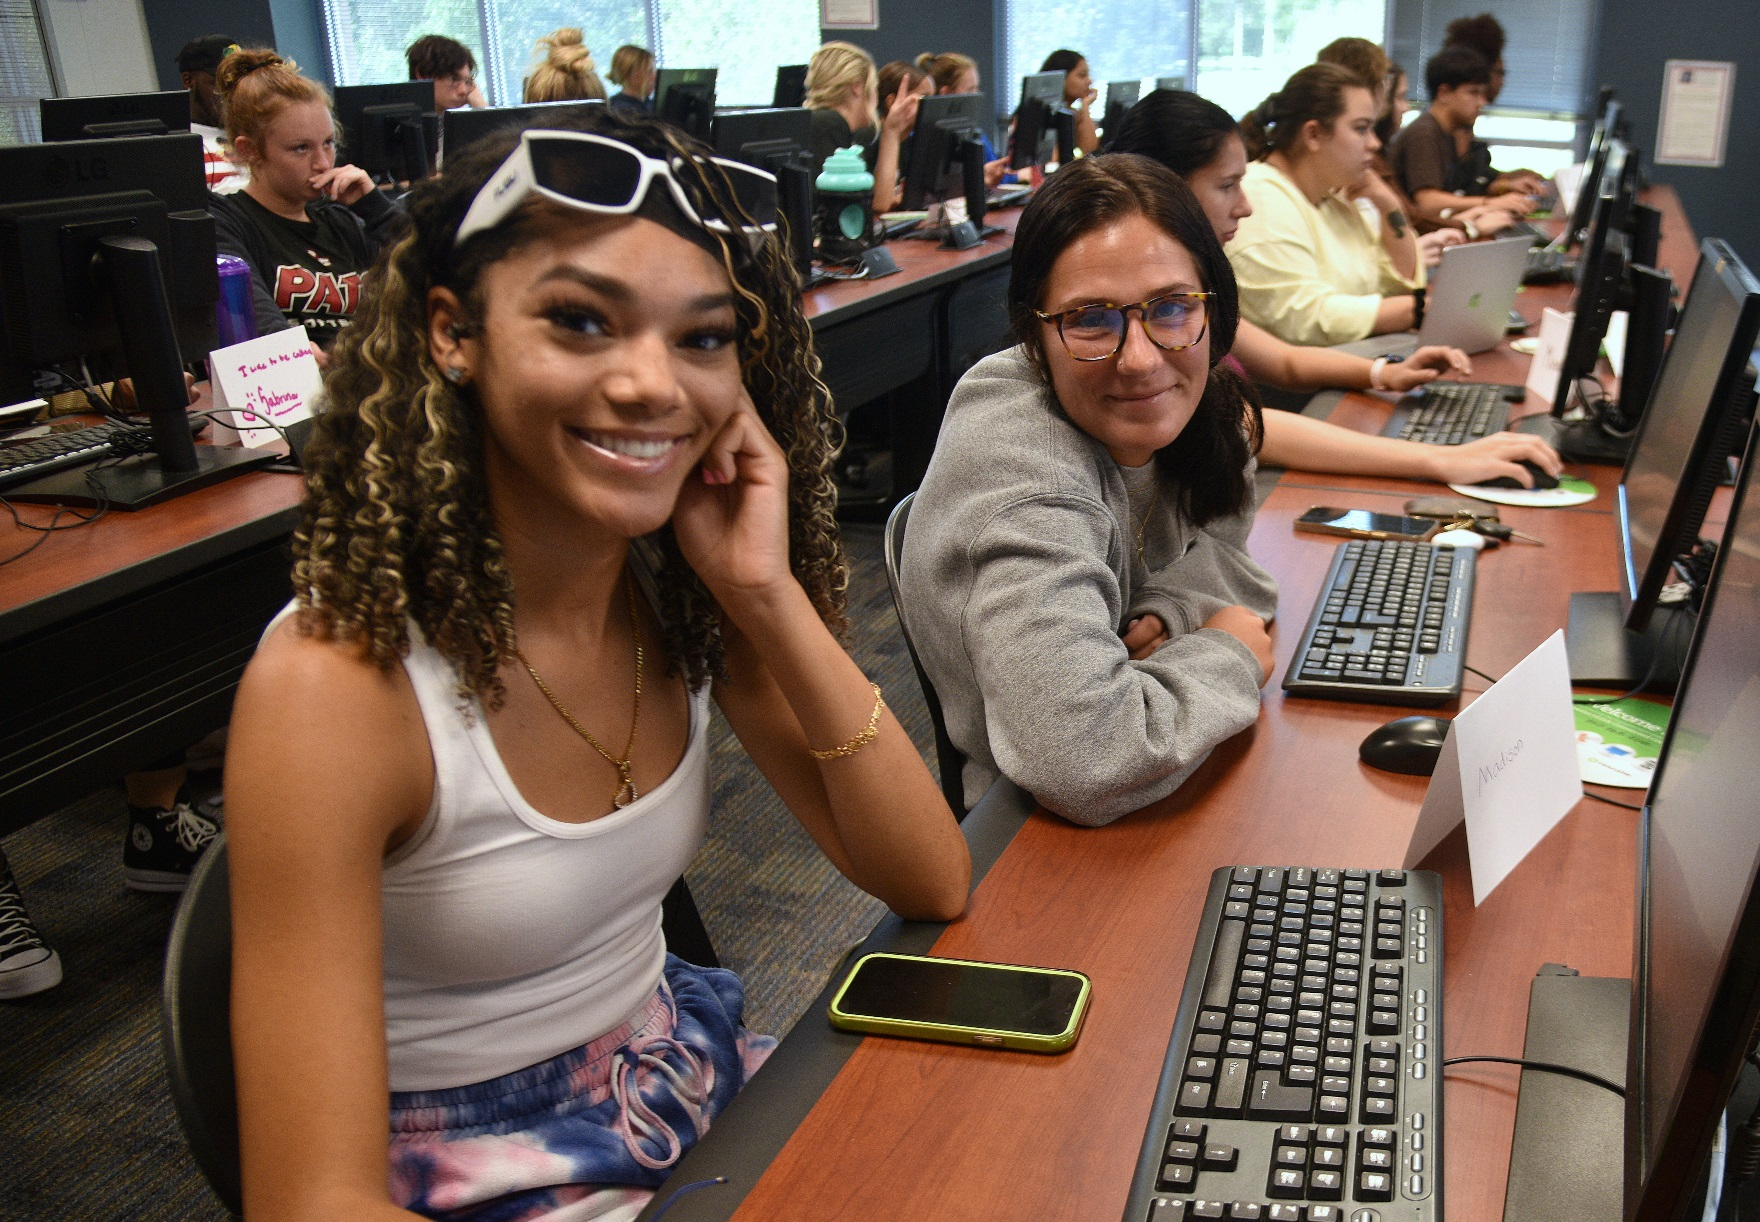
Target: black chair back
(947,756)
(196,1030)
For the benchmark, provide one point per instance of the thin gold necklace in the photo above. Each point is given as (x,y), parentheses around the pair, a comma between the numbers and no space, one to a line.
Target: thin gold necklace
(626,789)
(1144,524)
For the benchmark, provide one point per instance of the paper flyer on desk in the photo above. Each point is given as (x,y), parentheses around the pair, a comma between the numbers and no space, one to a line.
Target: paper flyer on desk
(264,384)
(1508,769)
(1618,743)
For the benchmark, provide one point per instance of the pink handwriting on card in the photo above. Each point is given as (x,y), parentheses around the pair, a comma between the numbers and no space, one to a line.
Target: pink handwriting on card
(268,382)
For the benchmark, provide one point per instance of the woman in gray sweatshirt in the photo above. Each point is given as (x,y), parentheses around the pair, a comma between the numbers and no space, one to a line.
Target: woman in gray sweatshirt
(1075,575)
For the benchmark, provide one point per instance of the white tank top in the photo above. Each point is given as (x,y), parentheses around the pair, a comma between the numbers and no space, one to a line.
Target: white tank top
(511,937)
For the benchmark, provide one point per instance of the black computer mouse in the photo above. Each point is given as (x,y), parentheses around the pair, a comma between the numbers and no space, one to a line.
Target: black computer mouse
(1541,478)
(1410,745)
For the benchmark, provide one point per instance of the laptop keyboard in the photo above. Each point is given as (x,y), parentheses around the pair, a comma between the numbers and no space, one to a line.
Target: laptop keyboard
(1546,264)
(1302,1082)
(1390,625)
(1453,413)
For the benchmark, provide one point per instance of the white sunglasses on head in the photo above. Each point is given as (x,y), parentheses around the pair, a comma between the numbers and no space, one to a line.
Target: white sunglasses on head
(600,174)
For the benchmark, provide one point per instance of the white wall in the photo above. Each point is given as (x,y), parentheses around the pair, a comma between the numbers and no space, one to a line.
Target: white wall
(99,46)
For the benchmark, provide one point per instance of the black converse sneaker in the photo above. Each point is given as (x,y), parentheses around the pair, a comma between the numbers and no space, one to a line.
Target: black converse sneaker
(164,844)
(26,965)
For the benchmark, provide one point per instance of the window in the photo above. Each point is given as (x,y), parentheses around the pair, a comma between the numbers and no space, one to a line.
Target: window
(1546,56)
(367,38)
(25,75)
(1246,48)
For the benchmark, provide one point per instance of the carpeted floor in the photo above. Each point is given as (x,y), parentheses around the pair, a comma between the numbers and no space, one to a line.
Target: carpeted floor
(87,1129)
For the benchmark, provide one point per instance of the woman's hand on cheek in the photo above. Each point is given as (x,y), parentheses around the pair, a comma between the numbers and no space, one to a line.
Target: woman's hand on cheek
(731,521)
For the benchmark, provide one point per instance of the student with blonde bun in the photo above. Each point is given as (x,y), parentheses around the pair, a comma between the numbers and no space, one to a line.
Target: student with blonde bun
(565,71)
(1312,268)
(632,67)
(843,88)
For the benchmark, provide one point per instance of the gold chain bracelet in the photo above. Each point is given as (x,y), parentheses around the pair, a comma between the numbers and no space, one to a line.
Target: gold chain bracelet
(861,740)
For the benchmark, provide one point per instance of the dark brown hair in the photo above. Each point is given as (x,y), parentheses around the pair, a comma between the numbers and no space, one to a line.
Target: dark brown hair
(433,57)
(1483,34)
(1206,461)
(1315,92)
(1181,130)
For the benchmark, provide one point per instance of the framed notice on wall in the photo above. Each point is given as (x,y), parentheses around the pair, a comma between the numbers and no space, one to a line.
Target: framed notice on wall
(849,14)
(1696,97)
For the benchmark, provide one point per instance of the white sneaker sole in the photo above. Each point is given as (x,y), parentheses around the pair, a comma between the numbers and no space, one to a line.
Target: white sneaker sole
(154,880)
(35,978)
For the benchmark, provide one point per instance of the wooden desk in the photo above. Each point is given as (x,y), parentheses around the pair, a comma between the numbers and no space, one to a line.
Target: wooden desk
(123,641)
(920,1131)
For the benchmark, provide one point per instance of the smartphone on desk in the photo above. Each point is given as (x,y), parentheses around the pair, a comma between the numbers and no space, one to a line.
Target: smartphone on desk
(1363,524)
(959,1001)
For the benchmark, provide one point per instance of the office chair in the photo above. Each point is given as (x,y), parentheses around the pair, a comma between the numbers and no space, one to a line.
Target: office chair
(196,1028)
(947,756)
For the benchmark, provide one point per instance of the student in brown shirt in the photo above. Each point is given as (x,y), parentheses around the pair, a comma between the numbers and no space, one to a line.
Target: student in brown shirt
(1428,157)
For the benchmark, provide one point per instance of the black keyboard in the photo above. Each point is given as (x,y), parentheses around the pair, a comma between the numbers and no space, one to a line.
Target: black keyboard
(1452,413)
(23,461)
(1547,265)
(1303,1079)
(1390,625)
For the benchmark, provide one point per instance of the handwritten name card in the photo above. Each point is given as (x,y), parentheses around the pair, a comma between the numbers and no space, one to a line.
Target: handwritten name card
(265,384)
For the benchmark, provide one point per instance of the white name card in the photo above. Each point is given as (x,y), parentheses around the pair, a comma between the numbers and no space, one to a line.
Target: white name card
(1543,370)
(272,380)
(1508,768)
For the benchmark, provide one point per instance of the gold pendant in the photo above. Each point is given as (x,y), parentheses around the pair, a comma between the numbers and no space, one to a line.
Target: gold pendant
(626,792)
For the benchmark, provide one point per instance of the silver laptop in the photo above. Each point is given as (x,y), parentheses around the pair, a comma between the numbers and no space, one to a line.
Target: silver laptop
(1470,295)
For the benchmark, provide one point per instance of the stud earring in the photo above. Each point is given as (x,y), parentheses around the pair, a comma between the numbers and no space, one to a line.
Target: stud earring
(454,374)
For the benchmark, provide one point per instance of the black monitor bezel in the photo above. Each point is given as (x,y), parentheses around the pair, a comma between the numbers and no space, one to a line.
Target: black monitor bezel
(932,150)
(456,125)
(1725,1036)
(791,87)
(1703,474)
(65,119)
(1599,272)
(768,124)
(1594,163)
(350,104)
(668,79)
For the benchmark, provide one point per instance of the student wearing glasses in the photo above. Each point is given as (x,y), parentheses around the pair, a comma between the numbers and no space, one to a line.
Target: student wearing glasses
(451,66)
(573,484)
(1313,269)
(1075,575)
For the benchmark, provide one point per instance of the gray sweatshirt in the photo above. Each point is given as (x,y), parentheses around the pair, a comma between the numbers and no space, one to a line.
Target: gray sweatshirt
(1020,572)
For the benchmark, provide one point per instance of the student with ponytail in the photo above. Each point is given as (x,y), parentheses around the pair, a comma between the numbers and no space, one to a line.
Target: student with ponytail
(308,227)
(1312,268)
(565,71)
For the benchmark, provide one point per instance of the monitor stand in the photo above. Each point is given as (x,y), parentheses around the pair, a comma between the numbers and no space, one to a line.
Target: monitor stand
(1604,654)
(1569,1143)
(135,483)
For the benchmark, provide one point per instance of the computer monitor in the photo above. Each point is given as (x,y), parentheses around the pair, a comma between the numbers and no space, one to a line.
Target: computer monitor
(948,129)
(1170,82)
(1120,97)
(1594,163)
(1678,455)
(113,238)
(791,85)
(1599,272)
(778,140)
(1035,122)
(1696,967)
(461,128)
(380,129)
(115,114)
(685,98)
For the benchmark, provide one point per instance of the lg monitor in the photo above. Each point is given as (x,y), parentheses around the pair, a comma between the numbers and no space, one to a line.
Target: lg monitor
(942,149)
(1036,130)
(1120,97)
(1696,968)
(461,128)
(116,114)
(115,242)
(380,128)
(1678,456)
(791,85)
(685,98)
(778,140)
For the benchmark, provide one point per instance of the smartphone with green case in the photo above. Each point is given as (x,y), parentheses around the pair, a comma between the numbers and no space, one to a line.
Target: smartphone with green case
(960,1001)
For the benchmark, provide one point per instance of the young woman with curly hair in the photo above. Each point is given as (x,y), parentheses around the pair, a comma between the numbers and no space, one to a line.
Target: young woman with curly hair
(1076,577)
(573,482)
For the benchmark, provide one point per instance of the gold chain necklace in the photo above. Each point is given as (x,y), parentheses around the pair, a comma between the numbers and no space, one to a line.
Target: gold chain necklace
(626,789)
(1144,524)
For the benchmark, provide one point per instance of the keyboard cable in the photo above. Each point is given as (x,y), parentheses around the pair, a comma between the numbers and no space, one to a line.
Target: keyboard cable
(1568,1071)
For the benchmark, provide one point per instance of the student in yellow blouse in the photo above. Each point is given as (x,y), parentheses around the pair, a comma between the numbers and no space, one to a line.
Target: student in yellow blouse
(1312,265)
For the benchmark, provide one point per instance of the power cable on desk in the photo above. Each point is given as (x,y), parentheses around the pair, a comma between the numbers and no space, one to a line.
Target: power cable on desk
(1476,671)
(1662,647)
(1567,1071)
(54,525)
